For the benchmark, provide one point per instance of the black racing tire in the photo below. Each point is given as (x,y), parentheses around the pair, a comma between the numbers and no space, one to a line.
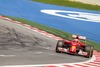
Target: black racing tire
(60,43)
(89,49)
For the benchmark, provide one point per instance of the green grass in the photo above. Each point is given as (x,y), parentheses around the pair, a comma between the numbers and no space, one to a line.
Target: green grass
(70,4)
(56,32)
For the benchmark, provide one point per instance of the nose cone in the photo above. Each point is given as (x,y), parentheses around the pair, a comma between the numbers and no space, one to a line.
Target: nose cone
(73,49)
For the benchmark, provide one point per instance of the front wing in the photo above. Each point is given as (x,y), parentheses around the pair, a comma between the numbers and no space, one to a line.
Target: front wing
(67,51)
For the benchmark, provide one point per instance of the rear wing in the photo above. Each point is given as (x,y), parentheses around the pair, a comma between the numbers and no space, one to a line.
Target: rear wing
(80,37)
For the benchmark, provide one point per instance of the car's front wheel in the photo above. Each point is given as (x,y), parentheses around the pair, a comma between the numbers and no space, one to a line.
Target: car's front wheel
(60,43)
(89,49)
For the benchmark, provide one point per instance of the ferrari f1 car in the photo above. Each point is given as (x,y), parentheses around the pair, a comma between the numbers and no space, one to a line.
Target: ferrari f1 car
(76,46)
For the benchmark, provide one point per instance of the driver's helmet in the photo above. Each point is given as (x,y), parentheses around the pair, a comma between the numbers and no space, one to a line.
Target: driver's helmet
(77,36)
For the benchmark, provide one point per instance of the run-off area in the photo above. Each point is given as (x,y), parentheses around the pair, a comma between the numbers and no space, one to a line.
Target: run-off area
(22,46)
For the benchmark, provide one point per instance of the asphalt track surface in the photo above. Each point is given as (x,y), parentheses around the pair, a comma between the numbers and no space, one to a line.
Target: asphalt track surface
(22,46)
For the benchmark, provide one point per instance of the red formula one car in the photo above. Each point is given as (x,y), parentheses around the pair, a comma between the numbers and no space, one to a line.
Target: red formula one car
(75,46)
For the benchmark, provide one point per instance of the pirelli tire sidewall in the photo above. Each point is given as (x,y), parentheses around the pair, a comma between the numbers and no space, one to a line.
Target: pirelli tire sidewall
(89,49)
(60,43)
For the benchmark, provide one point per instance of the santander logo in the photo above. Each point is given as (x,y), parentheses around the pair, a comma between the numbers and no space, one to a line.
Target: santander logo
(74,15)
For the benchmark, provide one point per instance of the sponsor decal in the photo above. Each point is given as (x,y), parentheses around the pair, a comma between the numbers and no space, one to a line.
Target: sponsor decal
(91,17)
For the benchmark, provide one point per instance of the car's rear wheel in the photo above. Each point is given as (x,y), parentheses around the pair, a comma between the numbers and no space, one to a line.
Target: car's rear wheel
(60,43)
(89,49)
